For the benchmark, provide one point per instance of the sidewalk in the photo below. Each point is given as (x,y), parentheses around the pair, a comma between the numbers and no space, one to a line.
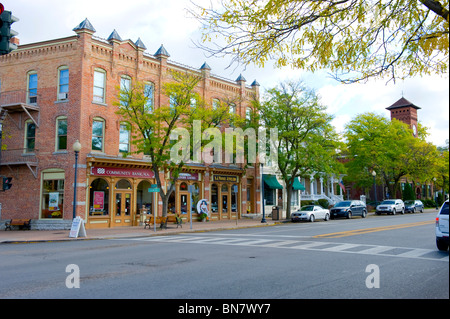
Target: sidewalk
(24,236)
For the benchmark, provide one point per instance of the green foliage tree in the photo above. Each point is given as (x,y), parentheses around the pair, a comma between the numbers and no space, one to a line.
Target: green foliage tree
(307,142)
(354,39)
(389,148)
(153,128)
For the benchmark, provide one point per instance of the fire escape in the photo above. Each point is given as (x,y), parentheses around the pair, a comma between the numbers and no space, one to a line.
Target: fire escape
(15,106)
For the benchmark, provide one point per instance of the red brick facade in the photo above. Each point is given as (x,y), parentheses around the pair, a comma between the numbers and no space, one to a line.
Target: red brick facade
(36,171)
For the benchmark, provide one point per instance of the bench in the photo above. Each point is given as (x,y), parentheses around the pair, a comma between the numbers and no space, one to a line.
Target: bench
(25,223)
(163,221)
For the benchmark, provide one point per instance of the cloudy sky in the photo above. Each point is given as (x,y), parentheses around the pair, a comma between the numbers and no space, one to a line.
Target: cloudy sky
(167,22)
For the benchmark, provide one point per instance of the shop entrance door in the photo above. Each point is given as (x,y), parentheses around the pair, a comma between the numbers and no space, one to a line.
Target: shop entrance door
(225,205)
(184,205)
(123,216)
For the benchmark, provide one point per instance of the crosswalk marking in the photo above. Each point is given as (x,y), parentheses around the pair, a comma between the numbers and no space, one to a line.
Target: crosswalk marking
(300,245)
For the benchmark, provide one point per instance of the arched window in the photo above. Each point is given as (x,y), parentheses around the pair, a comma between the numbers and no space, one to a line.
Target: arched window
(30,136)
(124,138)
(98,134)
(99,85)
(123,184)
(63,83)
(61,134)
(98,197)
(32,86)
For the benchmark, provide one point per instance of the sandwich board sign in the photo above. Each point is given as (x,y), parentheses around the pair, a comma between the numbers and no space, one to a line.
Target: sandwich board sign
(77,228)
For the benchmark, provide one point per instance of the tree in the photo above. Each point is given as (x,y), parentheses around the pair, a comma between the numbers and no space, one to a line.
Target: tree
(155,128)
(306,141)
(354,39)
(388,148)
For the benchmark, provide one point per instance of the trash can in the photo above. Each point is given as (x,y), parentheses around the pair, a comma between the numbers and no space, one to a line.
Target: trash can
(275,213)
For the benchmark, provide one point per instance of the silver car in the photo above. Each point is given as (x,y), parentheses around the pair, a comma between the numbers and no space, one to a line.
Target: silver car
(391,206)
(310,213)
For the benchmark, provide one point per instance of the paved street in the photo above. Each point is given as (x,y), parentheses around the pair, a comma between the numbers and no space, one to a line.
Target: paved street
(376,257)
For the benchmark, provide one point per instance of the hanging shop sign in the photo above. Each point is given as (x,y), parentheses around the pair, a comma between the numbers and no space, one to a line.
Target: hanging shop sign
(187,176)
(122,172)
(225,178)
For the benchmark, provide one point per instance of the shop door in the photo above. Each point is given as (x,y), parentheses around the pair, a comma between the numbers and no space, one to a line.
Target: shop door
(225,206)
(184,205)
(123,216)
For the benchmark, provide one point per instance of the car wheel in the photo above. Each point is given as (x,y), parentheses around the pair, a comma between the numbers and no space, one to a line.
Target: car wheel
(312,218)
(349,215)
(327,217)
(441,245)
(393,211)
(403,211)
(364,213)
(421,210)
(414,210)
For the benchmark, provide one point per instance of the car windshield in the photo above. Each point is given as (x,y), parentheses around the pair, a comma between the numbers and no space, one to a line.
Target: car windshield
(409,202)
(388,202)
(343,204)
(307,208)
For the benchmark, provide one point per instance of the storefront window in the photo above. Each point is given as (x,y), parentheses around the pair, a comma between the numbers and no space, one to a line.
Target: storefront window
(99,197)
(195,197)
(234,193)
(52,201)
(144,198)
(214,198)
(171,203)
(268,195)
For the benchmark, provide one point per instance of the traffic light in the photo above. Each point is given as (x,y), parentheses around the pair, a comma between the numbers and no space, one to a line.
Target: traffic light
(6,19)
(7,183)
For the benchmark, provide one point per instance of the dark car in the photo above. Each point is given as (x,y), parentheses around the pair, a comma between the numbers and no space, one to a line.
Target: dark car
(412,206)
(349,208)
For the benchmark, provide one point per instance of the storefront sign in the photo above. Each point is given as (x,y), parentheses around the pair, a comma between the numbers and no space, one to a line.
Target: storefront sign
(99,200)
(122,172)
(187,176)
(225,178)
(77,228)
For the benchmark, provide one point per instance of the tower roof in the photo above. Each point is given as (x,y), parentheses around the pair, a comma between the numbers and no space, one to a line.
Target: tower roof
(114,36)
(85,25)
(402,103)
(140,44)
(162,52)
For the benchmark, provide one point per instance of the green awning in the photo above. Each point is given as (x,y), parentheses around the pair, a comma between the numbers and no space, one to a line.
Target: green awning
(271,181)
(297,185)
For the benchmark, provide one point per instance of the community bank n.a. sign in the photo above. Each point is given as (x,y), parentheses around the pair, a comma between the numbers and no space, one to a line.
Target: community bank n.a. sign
(122,172)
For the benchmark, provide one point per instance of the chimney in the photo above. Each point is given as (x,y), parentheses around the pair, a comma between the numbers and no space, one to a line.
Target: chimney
(15,41)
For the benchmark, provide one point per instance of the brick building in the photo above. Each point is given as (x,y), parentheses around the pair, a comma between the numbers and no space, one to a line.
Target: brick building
(62,90)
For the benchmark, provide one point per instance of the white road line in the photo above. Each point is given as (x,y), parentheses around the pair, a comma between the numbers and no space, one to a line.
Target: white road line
(417,253)
(341,247)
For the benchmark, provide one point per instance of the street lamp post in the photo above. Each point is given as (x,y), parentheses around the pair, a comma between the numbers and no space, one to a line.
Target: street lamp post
(374,174)
(76,148)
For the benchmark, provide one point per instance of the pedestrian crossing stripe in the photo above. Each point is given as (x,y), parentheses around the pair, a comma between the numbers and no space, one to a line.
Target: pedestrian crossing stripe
(364,249)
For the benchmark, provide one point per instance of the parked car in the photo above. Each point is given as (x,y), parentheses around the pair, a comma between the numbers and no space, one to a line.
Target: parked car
(310,213)
(412,206)
(391,206)
(349,208)
(442,227)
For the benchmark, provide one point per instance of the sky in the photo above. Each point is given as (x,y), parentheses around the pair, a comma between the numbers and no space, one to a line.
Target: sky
(167,22)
